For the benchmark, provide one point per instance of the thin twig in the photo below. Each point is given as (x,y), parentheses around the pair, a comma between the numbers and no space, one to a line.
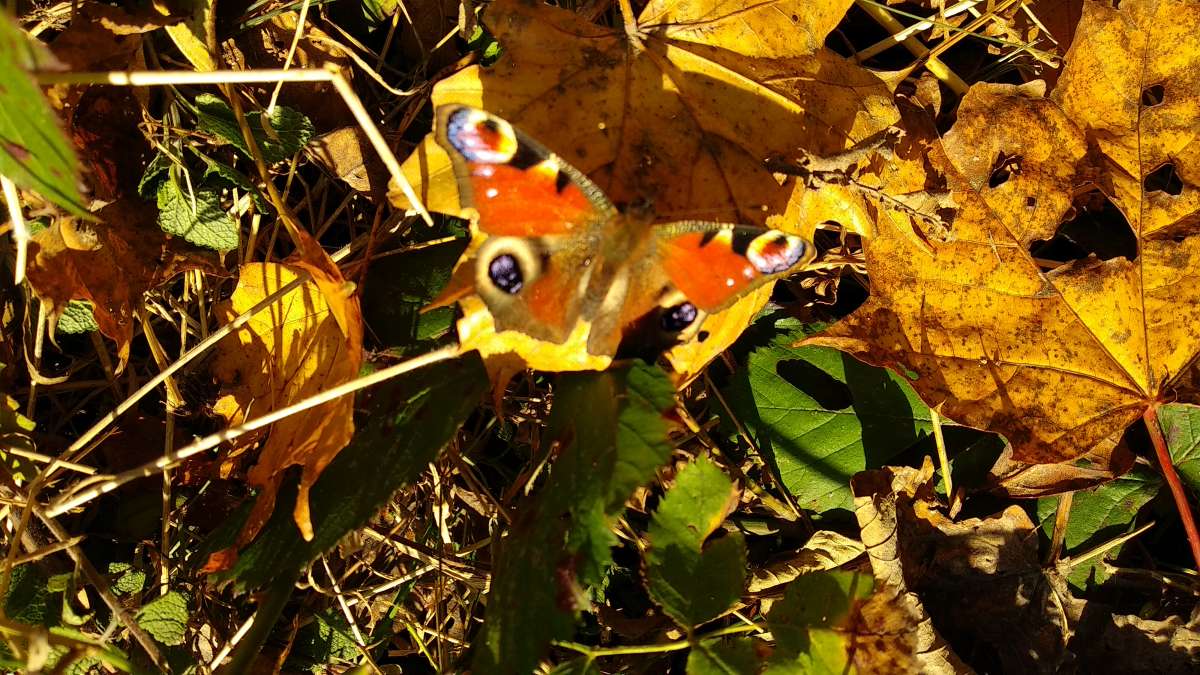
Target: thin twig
(213,440)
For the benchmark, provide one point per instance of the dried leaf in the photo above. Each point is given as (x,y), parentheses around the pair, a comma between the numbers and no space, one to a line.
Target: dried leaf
(825,550)
(1059,361)
(306,342)
(110,263)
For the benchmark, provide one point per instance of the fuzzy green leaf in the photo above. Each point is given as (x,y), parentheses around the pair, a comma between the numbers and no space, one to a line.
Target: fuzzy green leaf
(805,622)
(693,584)
(723,657)
(165,618)
(614,434)
(292,129)
(77,317)
(197,217)
(34,152)
(407,422)
(397,291)
(848,416)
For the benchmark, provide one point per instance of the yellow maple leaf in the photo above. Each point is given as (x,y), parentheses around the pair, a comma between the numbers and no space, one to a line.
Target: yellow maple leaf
(680,109)
(307,341)
(1057,360)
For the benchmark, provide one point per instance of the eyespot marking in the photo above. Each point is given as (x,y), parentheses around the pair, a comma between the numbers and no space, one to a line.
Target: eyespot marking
(677,318)
(505,273)
(774,252)
(479,137)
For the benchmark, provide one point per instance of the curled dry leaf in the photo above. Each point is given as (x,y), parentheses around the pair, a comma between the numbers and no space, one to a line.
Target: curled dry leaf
(1061,360)
(978,580)
(110,263)
(681,114)
(304,343)
(824,550)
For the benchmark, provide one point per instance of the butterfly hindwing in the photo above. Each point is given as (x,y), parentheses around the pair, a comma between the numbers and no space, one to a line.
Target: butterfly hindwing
(713,264)
(518,187)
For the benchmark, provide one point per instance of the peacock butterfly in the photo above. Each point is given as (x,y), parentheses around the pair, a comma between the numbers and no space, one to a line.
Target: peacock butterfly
(558,253)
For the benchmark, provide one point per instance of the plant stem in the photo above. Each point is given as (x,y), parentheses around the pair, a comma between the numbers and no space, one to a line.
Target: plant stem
(1168,470)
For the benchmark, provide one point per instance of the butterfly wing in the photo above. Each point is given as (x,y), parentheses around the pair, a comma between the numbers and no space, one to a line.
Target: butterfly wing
(714,264)
(538,212)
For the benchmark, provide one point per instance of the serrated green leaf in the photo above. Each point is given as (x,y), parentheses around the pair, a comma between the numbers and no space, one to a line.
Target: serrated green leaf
(614,434)
(723,657)
(805,622)
(690,583)
(34,152)
(324,641)
(1099,515)
(850,416)
(292,129)
(77,317)
(128,578)
(156,171)
(221,174)
(196,217)
(165,618)
(28,597)
(407,422)
(1181,428)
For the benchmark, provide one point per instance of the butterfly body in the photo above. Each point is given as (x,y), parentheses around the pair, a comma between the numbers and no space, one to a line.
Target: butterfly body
(559,257)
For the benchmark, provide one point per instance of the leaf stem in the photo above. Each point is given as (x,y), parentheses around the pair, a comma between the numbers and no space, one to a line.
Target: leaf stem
(596,652)
(1168,470)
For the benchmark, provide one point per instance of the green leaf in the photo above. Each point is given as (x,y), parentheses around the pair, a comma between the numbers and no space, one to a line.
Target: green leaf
(34,152)
(324,641)
(806,622)
(399,287)
(129,579)
(77,317)
(197,217)
(694,585)
(221,174)
(723,657)
(848,417)
(292,129)
(408,420)
(11,419)
(1098,516)
(165,618)
(156,171)
(28,597)
(614,433)
(1181,427)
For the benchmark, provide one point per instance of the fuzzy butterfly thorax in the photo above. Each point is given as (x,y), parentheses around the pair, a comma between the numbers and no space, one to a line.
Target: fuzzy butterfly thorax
(554,260)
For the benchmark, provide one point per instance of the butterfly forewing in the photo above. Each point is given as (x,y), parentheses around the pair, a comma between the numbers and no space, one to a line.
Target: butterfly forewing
(518,187)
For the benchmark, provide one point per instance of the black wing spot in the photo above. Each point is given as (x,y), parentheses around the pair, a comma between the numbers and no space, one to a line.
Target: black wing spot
(740,242)
(525,157)
(561,181)
(708,237)
(505,272)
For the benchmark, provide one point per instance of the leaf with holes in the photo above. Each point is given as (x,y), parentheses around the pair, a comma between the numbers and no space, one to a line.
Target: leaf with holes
(1060,358)
(819,415)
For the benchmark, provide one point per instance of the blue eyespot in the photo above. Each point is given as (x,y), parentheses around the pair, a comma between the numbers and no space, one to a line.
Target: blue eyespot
(505,273)
(678,318)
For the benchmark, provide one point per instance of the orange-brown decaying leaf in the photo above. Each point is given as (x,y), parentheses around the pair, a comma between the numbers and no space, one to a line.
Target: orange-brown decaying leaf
(306,342)
(1061,360)
(110,263)
(683,114)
